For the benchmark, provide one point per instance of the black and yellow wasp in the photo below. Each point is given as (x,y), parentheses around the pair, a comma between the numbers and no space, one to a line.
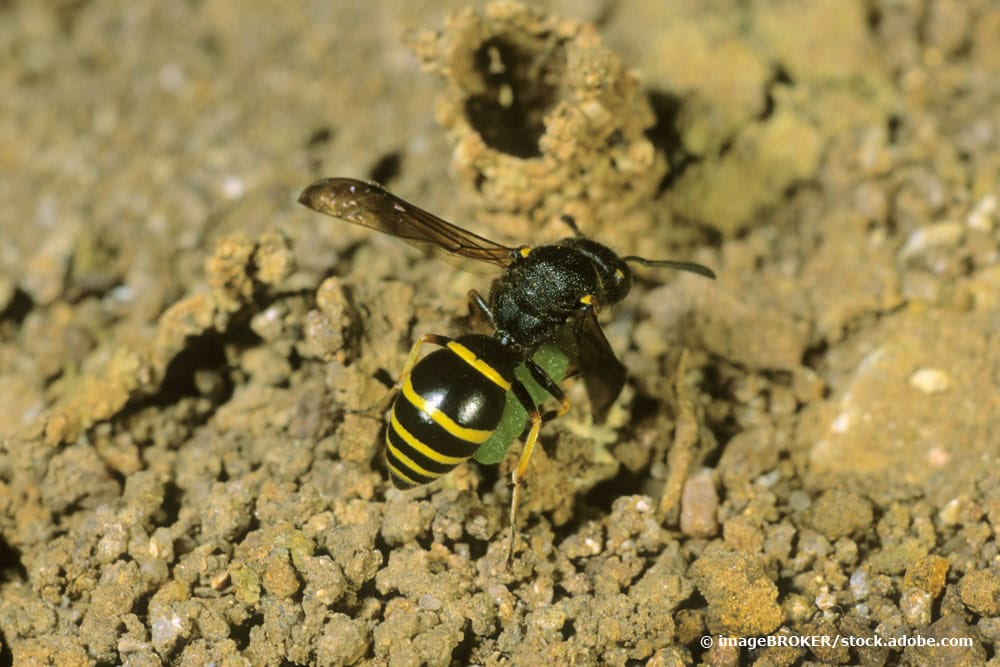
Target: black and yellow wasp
(447,404)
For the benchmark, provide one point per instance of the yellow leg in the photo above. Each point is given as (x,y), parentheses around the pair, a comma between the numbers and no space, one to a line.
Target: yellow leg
(563,409)
(518,475)
(543,379)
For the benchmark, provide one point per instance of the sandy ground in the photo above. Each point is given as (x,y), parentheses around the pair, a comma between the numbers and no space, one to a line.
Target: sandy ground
(805,455)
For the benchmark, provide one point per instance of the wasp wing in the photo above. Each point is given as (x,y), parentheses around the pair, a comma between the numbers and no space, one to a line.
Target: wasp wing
(603,375)
(372,206)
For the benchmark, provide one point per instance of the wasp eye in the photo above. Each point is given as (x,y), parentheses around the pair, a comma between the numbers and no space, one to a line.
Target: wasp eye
(617,283)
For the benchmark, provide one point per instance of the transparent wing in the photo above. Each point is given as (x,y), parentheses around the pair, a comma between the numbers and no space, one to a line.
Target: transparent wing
(603,375)
(371,206)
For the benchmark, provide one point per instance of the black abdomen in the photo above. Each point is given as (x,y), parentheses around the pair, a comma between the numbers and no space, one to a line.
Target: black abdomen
(451,403)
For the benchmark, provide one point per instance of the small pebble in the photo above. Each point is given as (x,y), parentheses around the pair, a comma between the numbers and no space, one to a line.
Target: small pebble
(940,235)
(983,216)
(930,380)
(980,591)
(826,601)
(429,602)
(916,607)
(699,504)
(799,500)
(860,585)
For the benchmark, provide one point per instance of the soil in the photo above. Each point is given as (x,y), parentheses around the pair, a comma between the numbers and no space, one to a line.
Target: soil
(805,457)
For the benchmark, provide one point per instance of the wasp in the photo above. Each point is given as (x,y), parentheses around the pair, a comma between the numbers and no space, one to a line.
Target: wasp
(445,405)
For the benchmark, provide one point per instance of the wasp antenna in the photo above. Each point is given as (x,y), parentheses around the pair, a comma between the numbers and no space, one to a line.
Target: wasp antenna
(570,222)
(691,267)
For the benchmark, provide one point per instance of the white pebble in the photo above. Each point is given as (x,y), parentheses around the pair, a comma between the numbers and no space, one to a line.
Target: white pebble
(930,380)
(984,215)
(939,235)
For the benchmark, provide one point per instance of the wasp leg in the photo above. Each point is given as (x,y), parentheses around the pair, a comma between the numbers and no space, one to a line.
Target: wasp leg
(411,361)
(522,465)
(548,384)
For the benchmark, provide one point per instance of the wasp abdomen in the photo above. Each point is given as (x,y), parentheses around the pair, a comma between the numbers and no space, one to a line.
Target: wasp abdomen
(449,404)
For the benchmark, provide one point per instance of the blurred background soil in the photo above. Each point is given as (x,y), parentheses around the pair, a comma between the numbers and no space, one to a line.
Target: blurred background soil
(807,446)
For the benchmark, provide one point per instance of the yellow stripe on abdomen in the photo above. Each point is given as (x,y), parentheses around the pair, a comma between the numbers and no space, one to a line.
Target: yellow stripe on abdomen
(408,463)
(474,435)
(420,447)
(401,475)
(466,355)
